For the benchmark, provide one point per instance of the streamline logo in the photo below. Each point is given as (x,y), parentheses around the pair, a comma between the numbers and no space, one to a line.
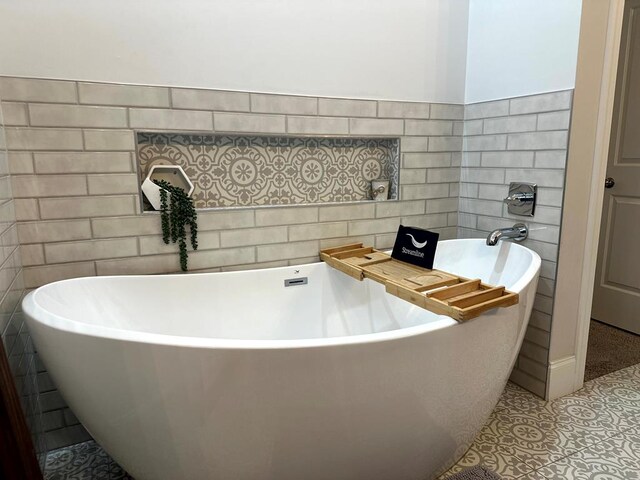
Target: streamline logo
(416,244)
(418,249)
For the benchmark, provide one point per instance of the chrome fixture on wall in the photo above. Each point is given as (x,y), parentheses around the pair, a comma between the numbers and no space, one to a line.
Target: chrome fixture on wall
(522,198)
(518,233)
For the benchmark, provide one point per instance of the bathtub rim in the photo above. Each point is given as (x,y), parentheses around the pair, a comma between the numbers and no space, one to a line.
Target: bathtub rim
(36,313)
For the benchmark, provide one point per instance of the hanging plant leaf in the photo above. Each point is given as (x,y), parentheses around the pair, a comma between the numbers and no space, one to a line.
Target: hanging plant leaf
(177,211)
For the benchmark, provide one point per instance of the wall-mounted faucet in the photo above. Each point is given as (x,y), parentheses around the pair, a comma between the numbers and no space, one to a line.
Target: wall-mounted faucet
(518,233)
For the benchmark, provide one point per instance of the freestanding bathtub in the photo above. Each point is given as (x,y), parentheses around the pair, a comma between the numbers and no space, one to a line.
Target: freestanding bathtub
(235,376)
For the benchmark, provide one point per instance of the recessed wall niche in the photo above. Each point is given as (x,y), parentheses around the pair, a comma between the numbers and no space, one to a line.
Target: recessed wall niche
(243,171)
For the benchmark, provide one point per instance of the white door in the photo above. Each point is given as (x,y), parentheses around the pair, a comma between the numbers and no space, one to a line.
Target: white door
(616,298)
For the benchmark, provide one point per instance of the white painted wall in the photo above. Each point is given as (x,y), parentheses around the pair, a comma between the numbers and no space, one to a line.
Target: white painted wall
(521,47)
(387,49)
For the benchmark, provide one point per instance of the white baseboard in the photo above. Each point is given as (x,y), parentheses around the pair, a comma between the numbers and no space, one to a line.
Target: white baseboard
(561,378)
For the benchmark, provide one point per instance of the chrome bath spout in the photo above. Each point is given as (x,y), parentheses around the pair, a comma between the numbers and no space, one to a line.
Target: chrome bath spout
(518,233)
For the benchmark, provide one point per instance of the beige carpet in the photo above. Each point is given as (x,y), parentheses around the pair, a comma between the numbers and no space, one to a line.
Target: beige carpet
(610,349)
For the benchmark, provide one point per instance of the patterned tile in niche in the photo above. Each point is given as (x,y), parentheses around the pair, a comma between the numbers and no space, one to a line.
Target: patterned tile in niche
(233,171)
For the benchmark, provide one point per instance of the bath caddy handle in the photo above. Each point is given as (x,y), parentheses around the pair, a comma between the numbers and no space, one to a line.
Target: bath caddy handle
(434,290)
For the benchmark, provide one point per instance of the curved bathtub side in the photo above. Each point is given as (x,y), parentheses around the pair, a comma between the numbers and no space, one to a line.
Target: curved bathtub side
(399,409)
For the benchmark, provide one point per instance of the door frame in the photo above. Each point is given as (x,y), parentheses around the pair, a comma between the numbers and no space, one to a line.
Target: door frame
(600,35)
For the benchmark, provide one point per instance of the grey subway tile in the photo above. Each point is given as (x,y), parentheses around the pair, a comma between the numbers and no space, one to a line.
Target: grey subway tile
(541,103)
(86,207)
(112,184)
(522,159)
(288,104)
(318,125)
(513,124)
(43,139)
(445,144)
(444,111)
(197,99)
(538,141)
(91,250)
(158,119)
(346,212)
(498,108)
(14,114)
(403,109)
(428,127)
(554,120)
(551,159)
(52,115)
(56,231)
(82,162)
(109,140)
(427,160)
(316,231)
(286,216)
(336,107)
(124,95)
(29,186)
(36,90)
(397,209)
(239,122)
(253,236)
(375,126)
(485,142)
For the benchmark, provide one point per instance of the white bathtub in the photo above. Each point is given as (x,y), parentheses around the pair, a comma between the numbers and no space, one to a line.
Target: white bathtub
(233,376)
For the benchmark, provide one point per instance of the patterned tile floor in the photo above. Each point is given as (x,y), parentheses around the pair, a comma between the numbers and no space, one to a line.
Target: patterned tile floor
(591,434)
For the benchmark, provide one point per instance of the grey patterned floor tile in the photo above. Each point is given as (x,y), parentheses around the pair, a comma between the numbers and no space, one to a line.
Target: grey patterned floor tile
(615,458)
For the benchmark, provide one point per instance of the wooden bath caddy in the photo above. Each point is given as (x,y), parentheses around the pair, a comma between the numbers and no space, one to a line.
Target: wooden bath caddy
(434,290)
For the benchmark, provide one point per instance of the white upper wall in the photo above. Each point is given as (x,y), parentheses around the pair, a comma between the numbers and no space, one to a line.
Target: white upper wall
(521,47)
(386,49)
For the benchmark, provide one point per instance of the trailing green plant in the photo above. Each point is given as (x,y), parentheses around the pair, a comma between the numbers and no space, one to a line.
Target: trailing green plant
(177,212)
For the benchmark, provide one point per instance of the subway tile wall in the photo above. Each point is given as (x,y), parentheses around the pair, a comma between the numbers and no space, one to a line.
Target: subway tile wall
(13,331)
(519,139)
(71,156)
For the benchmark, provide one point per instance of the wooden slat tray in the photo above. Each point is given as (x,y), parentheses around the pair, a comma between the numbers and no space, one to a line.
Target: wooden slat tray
(434,290)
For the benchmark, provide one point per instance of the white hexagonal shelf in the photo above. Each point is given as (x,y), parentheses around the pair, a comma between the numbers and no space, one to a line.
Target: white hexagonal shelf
(173,174)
